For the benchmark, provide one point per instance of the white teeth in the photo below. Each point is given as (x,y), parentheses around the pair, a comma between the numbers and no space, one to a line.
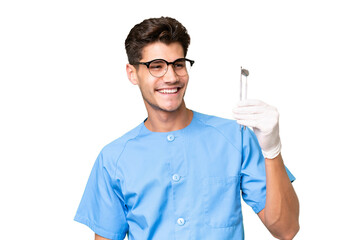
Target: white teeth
(173,90)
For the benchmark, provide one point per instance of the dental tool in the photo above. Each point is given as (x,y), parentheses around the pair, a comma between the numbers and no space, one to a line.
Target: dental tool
(244,72)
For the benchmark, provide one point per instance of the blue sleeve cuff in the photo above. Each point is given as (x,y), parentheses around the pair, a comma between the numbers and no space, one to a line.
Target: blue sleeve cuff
(98,230)
(291,177)
(259,206)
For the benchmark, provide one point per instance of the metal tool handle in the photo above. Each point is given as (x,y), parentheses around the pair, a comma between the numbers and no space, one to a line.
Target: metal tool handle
(244,72)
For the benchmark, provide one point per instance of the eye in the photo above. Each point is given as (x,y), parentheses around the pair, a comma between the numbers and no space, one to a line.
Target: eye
(157,65)
(179,64)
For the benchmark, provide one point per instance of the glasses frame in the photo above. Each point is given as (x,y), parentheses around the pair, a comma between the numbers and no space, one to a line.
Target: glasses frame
(147,64)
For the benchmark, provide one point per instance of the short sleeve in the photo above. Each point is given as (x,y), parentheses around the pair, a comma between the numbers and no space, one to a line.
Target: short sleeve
(290,175)
(253,174)
(101,207)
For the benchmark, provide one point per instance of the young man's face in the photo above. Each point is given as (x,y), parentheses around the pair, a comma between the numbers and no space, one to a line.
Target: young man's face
(164,93)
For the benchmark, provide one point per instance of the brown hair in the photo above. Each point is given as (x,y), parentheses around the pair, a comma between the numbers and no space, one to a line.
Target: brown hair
(164,29)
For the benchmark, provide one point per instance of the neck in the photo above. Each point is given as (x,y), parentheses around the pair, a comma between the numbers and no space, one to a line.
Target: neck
(162,121)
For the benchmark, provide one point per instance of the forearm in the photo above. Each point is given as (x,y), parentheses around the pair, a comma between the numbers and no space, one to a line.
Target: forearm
(281,213)
(97,237)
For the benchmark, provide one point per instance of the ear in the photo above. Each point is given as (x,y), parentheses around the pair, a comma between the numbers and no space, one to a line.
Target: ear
(131,73)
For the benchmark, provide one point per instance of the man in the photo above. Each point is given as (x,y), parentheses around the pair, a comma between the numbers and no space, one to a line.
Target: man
(180,174)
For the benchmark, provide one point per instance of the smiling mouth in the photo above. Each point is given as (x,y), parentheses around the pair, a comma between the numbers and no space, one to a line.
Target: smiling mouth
(168,90)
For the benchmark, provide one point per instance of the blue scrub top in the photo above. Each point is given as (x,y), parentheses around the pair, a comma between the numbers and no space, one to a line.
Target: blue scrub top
(184,184)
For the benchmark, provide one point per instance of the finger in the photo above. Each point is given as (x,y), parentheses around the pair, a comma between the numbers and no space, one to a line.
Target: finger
(248,123)
(250,102)
(250,116)
(250,109)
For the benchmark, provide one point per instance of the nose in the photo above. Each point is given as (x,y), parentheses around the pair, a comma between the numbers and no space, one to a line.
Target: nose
(170,76)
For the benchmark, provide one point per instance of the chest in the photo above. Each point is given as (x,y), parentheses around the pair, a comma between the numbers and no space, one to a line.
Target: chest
(153,168)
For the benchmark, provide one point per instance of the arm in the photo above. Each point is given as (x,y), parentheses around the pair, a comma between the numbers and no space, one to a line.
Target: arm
(97,237)
(281,212)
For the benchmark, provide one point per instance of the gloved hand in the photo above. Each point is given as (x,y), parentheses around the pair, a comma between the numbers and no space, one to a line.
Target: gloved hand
(264,119)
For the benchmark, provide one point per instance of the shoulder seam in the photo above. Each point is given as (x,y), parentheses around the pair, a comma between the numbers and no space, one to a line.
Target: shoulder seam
(200,120)
(117,161)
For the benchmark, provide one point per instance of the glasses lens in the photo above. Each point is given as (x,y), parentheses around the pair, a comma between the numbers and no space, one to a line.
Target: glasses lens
(158,68)
(182,67)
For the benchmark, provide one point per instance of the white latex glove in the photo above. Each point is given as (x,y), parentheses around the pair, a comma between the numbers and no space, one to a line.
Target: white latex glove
(264,119)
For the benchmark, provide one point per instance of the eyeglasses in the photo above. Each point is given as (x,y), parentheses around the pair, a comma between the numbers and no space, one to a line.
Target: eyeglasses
(159,67)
